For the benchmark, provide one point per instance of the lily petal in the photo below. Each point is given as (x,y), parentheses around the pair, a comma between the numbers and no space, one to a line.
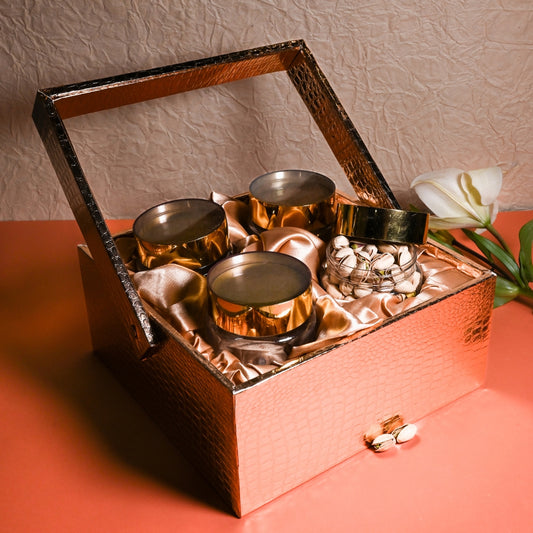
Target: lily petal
(436,223)
(441,192)
(473,197)
(488,181)
(493,211)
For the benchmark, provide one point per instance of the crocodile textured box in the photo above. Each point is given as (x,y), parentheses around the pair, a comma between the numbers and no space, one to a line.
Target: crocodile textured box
(254,440)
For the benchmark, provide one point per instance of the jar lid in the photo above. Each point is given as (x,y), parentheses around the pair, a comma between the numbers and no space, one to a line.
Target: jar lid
(191,232)
(260,294)
(375,224)
(298,198)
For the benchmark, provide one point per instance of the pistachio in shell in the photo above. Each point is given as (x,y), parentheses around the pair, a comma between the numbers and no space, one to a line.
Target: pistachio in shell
(404,433)
(383,442)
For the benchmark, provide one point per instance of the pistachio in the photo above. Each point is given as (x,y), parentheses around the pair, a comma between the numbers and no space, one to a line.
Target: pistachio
(374,431)
(402,248)
(340,241)
(391,423)
(345,288)
(404,257)
(361,293)
(409,285)
(371,250)
(388,248)
(363,255)
(341,253)
(383,442)
(404,433)
(356,270)
(396,273)
(361,274)
(347,264)
(386,286)
(406,286)
(383,262)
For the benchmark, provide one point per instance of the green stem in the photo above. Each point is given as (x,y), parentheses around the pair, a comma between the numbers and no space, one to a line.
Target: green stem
(526,291)
(525,299)
(483,259)
(500,239)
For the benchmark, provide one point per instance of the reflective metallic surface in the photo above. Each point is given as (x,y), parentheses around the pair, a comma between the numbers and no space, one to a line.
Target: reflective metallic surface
(190,232)
(297,198)
(382,225)
(260,294)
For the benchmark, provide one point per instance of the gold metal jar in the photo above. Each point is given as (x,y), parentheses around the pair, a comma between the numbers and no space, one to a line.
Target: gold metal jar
(261,305)
(191,232)
(259,294)
(296,198)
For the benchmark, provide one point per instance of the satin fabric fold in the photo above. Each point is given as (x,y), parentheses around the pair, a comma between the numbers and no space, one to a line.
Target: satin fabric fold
(180,295)
(176,292)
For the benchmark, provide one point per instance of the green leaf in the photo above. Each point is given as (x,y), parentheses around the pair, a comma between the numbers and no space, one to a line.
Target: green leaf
(505,291)
(524,257)
(498,302)
(443,236)
(442,239)
(492,250)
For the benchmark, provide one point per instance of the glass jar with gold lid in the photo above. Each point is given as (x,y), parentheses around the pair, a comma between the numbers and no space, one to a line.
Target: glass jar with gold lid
(375,251)
(261,305)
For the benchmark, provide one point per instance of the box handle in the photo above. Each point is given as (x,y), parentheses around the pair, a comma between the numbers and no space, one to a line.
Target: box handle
(52,106)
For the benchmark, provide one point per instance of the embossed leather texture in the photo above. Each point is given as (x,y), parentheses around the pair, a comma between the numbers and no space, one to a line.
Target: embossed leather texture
(259,440)
(304,421)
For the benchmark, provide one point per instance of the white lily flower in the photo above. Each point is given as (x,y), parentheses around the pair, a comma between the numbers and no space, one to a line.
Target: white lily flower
(458,198)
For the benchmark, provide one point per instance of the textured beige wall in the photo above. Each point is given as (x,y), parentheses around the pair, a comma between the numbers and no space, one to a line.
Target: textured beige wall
(428,84)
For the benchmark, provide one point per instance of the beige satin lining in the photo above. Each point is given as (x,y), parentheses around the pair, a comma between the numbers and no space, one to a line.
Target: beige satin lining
(180,295)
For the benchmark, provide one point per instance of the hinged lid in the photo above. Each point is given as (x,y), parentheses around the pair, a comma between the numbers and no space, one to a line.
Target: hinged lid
(53,106)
